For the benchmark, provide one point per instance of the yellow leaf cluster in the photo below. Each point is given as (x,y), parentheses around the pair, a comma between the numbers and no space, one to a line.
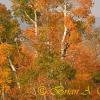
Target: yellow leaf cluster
(90,20)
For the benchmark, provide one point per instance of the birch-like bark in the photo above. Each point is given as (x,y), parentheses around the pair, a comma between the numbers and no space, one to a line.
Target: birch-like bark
(65,32)
(14,71)
(34,22)
(31,20)
(36,26)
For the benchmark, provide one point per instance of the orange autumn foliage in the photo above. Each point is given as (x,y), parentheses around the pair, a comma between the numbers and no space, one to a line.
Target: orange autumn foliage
(5,51)
(40,4)
(6,48)
(69,23)
(3,10)
(88,29)
(86,3)
(5,79)
(81,57)
(75,37)
(24,58)
(30,34)
(54,18)
(80,11)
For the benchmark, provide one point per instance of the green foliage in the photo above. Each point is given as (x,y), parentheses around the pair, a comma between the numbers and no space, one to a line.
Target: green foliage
(46,56)
(80,25)
(27,76)
(51,62)
(96,77)
(24,10)
(9,27)
(63,71)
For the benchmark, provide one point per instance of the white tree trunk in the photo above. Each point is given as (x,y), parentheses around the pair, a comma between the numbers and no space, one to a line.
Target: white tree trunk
(36,26)
(14,71)
(34,22)
(11,65)
(65,32)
